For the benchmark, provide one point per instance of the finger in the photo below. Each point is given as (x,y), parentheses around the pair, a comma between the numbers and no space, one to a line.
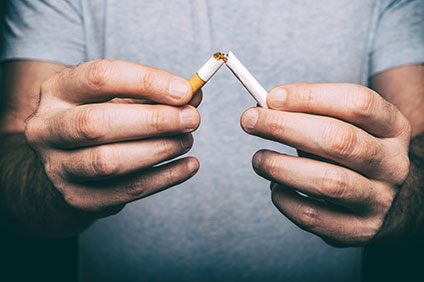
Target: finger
(323,136)
(195,101)
(127,189)
(102,80)
(131,101)
(330,222)
(324,181)
(112,160)
(106,123)
(197,98)
(350,102)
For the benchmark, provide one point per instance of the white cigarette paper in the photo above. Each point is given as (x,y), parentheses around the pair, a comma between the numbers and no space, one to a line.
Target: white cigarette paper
(209,68)
(247,79)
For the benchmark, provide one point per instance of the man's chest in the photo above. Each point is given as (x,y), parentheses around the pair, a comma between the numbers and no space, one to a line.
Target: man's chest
(287,41)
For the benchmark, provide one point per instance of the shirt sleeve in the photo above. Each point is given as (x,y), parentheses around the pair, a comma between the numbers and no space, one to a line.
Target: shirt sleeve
(399,37)
(50,30)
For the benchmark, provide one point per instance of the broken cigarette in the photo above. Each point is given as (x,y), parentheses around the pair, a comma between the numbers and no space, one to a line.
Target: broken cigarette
(207,71)
(247,79)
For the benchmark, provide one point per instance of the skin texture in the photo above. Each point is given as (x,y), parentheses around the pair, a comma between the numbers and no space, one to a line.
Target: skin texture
(101,131)
(353,158)
(82,123)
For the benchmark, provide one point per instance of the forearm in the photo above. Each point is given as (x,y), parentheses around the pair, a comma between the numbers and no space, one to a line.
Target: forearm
(405,219)
(28,201)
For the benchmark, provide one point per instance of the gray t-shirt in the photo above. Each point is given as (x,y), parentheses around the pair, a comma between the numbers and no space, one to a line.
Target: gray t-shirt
(221,224)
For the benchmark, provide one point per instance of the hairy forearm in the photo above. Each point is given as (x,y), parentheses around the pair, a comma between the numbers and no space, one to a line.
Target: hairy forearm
(28,201)
(405,219)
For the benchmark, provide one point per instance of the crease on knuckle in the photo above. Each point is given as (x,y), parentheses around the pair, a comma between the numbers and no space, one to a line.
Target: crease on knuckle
(405,127)
(74,199)
(89,124)
(54,170)
(32,131)
(272,165)
(402,171)
(163,146)
(371,153)
(97,74)
(308,98)
(333,185)
(171,175)
(136,186)
(340,140)
(384,201)
(363,102)
(157,121)
(148,82)
(105,161)
(274,124)
(308,218)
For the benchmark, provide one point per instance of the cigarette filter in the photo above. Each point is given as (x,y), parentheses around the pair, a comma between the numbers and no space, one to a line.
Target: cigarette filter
(247,79)
(207,71)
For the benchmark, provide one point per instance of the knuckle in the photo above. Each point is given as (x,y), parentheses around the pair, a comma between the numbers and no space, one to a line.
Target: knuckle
(32,131)
(157,121)
(272,165)
(54,170)
(333,184)
(135,187)
(371,227)
(402,171)
(97,74)
(89,123)
(164,146)
(147,82)
(385,200)
(170,175)
(340,140)
(363,101)
(47,84)
(405,127)
(73,199)
(371,153)
(308,98)
(105,161)
(308,217)
(274,122)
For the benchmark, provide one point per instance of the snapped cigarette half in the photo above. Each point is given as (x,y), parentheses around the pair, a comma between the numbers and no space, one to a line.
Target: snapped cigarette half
(207,71)
(247,79)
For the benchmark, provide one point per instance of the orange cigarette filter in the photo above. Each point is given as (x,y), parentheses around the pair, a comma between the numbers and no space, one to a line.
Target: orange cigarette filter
(196,83)
(207,71)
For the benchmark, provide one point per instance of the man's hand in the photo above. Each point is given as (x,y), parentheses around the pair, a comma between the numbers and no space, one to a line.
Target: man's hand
(101,155)
(359,145)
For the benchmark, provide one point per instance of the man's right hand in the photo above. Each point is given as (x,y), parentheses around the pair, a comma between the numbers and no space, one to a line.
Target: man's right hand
(99,148)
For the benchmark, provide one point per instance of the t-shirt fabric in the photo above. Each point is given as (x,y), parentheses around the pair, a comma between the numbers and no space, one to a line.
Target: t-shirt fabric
(220,225)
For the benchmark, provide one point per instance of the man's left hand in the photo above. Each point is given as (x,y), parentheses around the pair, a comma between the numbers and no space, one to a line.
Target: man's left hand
(358,147)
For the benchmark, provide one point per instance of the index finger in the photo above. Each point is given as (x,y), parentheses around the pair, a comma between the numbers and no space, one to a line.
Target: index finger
(353,103)
(102,80)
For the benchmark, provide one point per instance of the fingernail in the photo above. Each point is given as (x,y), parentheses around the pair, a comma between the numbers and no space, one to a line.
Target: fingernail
(186,142)
(250,119)
(257,159)
(178,89)
(277,98)
(192,166)
(188,118)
